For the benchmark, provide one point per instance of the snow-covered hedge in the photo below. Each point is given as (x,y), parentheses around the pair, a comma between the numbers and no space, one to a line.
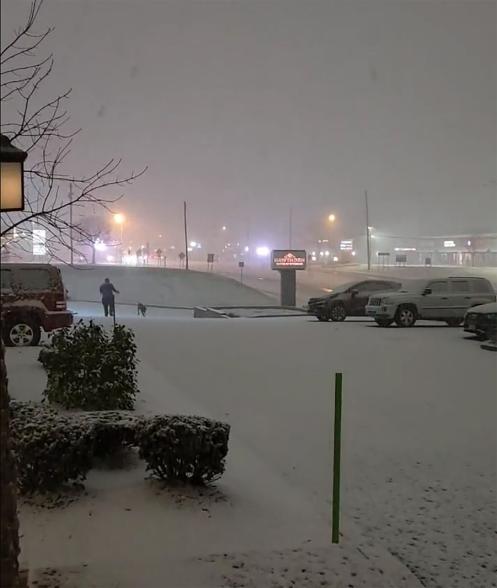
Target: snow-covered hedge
(111,430)
(90,368)
(52,449)
(184,448)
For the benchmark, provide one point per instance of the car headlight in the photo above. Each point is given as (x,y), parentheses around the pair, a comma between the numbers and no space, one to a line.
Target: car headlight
(385,301)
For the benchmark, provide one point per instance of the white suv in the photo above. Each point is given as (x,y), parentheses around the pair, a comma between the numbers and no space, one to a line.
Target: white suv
(443,299)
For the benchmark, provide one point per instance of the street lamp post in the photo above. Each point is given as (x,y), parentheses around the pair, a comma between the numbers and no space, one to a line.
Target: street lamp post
(11,176)
(120,219)
(11,200)
(368,231)
(331,219)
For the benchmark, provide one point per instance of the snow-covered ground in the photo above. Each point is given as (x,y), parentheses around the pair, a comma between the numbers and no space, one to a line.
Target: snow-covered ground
(159,286)
(419,461)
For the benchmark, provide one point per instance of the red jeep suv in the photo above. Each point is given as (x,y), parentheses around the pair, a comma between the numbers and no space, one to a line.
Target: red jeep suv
(33,298)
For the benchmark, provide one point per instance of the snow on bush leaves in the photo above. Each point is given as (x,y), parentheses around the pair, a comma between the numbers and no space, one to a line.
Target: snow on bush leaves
(90,368)
(112,430)
(52,449)
(184,448)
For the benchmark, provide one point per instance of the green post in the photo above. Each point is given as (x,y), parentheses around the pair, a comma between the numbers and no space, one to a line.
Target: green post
(337,443)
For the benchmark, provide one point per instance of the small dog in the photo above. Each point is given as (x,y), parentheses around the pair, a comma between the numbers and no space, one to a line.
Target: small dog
(141,309)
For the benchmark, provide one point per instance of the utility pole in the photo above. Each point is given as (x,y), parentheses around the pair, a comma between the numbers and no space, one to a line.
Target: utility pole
(186,236)
(71,236)
(290,228)
(368,235)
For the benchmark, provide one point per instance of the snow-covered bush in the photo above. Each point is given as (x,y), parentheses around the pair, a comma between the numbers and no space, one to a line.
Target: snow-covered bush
(50,449)
(30,410)
(183,448)
(45,355)
(90,368)
(111,430)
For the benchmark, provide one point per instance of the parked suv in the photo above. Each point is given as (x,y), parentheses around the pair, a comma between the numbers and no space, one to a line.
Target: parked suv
(348,300)
(482,321)
(443,299)
(33,298)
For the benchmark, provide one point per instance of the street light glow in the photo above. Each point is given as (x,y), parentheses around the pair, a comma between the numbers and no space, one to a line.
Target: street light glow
(119,218)
(223,228)
(100,245)
(332,218)
(262,251)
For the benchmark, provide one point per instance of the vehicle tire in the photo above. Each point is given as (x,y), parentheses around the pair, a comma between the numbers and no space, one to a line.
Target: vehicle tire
(491,333)
(454,322)
(323,318)
(22,332)
(405,316)
(338,313)
(384,322)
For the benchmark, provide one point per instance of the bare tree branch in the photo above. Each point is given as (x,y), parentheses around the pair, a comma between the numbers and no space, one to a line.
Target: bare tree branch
(40,127)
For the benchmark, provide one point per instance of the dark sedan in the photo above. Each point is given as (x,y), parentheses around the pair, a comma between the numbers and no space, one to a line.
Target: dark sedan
(348,300)
(482,321)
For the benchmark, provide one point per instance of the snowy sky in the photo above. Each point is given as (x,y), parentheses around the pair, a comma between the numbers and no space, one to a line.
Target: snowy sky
(248,107)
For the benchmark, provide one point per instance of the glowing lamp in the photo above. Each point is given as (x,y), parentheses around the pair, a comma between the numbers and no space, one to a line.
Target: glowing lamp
(11,176)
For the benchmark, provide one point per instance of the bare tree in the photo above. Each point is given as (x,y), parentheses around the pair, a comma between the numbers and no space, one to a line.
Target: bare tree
(92,230)
(41,127)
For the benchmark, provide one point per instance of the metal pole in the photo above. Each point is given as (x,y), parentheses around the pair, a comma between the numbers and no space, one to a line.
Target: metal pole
(71,237)
(290,228)
(186,236)
(337,444)
(368,236)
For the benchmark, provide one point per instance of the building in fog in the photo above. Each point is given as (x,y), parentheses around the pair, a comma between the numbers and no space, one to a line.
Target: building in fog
(473,250)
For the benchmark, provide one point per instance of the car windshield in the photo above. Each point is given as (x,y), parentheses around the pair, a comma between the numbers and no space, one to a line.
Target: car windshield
(414,286)
(344,287)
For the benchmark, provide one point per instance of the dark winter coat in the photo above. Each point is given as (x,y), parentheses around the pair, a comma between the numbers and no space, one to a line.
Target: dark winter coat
(107,290)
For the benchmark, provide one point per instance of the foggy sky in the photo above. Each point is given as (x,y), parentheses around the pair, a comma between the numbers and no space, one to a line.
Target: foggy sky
(246,108)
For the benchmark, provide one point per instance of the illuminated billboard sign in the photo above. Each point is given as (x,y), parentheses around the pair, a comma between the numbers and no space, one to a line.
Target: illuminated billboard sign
(346,245)
(291,259)
(39,242)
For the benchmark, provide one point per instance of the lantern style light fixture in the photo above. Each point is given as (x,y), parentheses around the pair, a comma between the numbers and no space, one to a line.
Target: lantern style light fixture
(11,176)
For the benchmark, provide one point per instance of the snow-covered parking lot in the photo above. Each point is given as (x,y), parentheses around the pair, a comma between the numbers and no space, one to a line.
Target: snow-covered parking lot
(419,454)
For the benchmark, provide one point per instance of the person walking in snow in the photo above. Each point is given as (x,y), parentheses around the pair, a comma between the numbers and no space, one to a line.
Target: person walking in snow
(107,291)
